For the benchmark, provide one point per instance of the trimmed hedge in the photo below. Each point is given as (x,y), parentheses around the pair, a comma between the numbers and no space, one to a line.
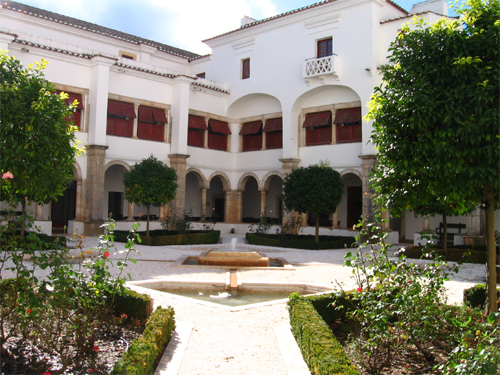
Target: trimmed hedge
(143,354)
(454,254)
(300,241)
(165,238)
(133,304)
(476,296)
(320,349)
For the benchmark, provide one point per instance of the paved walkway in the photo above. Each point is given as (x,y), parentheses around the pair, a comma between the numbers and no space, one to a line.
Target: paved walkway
(214,340)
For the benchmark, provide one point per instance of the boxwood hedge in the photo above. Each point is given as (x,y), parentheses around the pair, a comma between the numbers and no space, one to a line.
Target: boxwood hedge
(300,241)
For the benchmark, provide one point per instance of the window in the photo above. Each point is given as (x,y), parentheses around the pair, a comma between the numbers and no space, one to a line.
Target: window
(348,123)
(217,135)
(245,68)
(128,55)
(318,128)
(325,47)
(252,136)
(274,133)
(120,118)
(76,116)
(201,75)
(196,131)
(151,124)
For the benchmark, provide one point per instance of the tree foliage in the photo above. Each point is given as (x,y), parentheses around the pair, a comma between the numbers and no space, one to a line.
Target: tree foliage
(150,183)
(436,115)
(317,188)
(37,144)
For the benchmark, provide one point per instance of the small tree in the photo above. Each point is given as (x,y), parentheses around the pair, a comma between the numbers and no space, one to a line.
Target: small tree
(436,117)
(37,144)
(317,188)
(150,183)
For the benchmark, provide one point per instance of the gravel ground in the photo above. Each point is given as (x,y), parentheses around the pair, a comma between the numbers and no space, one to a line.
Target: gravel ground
(244,342)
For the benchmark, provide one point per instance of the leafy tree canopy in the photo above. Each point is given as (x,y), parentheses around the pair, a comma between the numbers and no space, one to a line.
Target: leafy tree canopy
(37,144)
(437,112)
(317,188)
(150,183)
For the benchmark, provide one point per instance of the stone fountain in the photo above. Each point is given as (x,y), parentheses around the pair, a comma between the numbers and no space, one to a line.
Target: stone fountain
(233,258)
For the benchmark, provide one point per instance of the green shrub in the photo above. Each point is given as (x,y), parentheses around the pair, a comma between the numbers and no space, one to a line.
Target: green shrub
(476,296)
(133,304)
(177,239)
(300,241)
(162,237)
(143,353)
(320,349)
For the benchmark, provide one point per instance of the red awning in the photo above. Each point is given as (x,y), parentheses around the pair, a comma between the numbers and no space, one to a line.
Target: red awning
(196,122)
(347,115)
(145,114)
(251,128)
(317,119)
(273,124)
(159,115)
(219,126)
(121,109)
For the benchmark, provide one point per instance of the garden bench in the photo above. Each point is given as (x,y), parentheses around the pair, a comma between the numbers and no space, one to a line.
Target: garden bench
(457,229)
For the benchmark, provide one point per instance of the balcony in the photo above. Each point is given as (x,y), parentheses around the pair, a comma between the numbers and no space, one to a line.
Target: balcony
(321,68)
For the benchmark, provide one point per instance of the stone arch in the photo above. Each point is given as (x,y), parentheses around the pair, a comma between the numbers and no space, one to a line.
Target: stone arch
(199,176)
(268,177)
(254,104)
(226,182)
(244,179)
(352,171)
(117,162)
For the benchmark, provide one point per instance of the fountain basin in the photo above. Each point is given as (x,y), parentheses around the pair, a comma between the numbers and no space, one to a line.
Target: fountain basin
(249,294)
(233,258)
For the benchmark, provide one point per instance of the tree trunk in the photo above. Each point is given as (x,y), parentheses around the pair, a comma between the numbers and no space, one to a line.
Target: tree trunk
(445,233)
(491,273)
(147,223)
(316,237)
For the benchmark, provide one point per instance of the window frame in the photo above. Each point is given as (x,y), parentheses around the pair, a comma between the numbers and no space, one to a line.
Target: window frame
(245,68)
(324,47)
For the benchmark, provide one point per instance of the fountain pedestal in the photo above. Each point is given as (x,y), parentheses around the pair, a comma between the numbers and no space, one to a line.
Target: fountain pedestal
(233,258)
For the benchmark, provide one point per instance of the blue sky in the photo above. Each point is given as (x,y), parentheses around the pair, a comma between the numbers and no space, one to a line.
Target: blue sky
(179,23)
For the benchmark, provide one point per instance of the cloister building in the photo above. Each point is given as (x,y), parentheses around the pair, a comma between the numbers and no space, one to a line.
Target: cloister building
(274,94)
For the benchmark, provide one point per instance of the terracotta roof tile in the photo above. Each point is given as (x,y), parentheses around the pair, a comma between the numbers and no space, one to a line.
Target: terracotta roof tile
(91,27)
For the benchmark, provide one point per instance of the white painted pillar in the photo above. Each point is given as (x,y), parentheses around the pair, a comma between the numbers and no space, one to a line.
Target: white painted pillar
(180,114)
(98,99)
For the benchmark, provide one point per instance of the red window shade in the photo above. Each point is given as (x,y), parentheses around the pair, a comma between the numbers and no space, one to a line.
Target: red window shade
(75,118)
(251,128)
(159,115)
(120,127)
(252,142)
(317,119)
(121,109)
(349,133)
(196,122)
(274,140)
(217,141)
(320,136)
(145,114)
(219,126)
(196,138)
(72,98)
(152,132)
(245,68)
(273,124)
(347,115)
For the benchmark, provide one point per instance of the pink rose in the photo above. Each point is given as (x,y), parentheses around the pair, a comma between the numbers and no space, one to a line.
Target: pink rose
(359,289)
(7,175)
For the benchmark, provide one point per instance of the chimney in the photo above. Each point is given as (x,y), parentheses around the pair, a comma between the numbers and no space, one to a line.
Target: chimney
(436,6)
(246,20)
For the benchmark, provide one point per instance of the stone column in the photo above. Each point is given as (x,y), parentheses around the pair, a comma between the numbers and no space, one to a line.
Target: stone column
(130,211)
(386,225)
(475,223)
(238,214)
(367,164)
(426,223)
(38,211)
(263,203)
(335,219)
(79,209)
(136,122)
(178,163)
(288,165)
(94,189)
(229,207)
(204,203)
